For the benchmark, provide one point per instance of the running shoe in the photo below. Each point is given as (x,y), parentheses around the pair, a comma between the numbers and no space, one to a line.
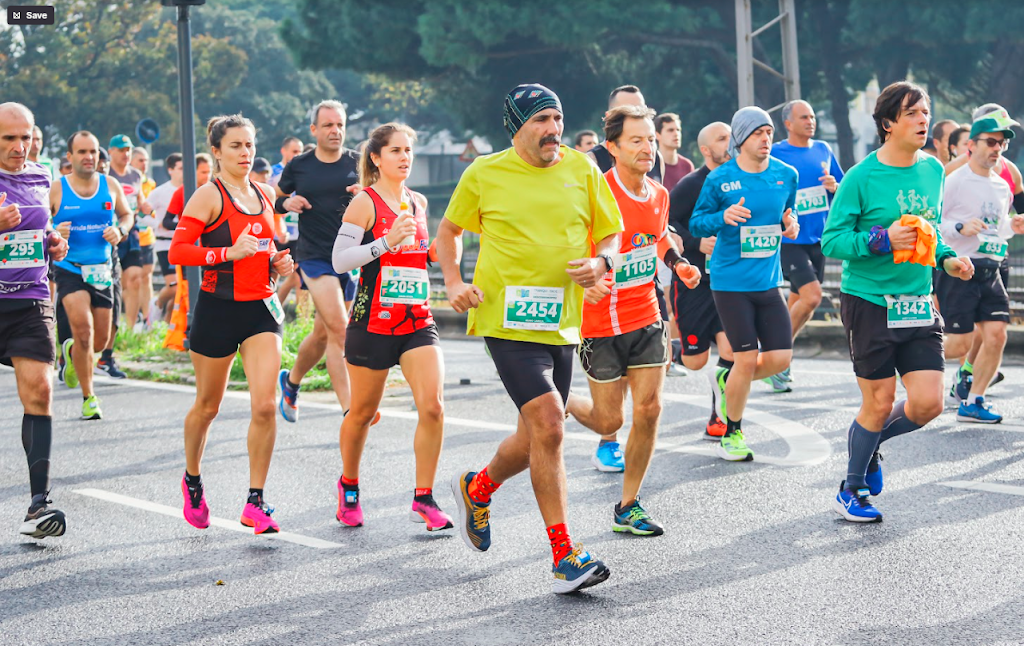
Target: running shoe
(786,375)
(195,509)
(978,412)
(635,520)
(430,513)
(42,520)
(676,370)
(609,458)
(855,506)
(474,518)
(961,388)
(997,379)
(874,474)
(734,448)
(778,384)
(258,517)
(715,430)
(350,512)
(91,408)
(577,570)
(288,404)
(65,367)
(109,368)
(718,383)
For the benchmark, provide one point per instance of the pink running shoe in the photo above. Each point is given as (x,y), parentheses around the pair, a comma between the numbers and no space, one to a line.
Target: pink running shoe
(350,512)
(195,510)
(428,512)
(258,517)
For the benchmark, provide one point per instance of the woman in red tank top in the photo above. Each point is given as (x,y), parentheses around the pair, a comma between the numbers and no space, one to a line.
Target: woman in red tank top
(232,218)
(384,231)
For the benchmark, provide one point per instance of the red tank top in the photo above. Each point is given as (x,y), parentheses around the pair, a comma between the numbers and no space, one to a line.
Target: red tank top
(394,294)
(1005,173)
(247,279)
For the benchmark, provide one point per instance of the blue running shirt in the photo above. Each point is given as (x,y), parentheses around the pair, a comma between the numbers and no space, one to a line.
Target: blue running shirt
(89,217)
(812,200)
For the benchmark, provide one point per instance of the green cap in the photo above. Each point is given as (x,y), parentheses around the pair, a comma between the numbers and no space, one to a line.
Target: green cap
(997,121)
(120,141)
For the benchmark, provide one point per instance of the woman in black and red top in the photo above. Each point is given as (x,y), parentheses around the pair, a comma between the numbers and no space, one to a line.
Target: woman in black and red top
(384,231)
(232,217)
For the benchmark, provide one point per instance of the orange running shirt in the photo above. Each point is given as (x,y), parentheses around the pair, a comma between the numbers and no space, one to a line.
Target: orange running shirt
(646,222)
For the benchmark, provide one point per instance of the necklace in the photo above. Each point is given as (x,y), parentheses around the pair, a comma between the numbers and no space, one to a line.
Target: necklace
(247,191)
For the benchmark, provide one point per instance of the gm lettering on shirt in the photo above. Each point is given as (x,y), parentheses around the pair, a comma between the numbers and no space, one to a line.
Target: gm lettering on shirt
(730,186)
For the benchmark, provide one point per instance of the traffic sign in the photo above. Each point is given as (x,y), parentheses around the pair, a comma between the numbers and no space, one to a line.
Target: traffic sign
(470,153)
(147,131)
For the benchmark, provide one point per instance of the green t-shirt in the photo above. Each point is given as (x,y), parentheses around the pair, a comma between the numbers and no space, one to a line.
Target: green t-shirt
(532,222)
(874,194)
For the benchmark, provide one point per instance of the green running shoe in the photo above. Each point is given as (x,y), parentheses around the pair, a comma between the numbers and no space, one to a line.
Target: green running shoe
(734,448)
(66,367)
(91,408)
(778,384)
(635,520)
(721,376)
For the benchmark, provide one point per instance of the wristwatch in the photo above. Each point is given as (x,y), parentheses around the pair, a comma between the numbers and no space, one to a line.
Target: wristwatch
(959,227)
(609,263)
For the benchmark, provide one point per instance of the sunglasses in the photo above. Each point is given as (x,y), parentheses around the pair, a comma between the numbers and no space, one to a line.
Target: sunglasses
(1002,144)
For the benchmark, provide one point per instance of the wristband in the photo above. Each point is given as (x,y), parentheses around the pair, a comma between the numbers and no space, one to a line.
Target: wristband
(1018,203)
(878,241)
(279,204)
(672,258)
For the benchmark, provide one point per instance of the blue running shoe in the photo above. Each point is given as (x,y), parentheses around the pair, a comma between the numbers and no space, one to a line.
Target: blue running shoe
(288,404)
(855,506)
(635,520)
(609,458)
(786,375)
(577,570)
(978,412)
(474,518)
(961,388)
(778,384)
(874,475)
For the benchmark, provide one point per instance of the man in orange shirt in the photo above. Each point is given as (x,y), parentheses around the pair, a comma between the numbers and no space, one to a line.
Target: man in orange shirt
(625,342)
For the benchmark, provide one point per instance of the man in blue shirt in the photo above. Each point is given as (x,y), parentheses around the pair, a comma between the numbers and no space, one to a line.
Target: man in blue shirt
(803,264)
(748,203)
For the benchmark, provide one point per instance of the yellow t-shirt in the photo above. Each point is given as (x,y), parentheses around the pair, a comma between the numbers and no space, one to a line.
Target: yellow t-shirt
(146,235)
(532,222)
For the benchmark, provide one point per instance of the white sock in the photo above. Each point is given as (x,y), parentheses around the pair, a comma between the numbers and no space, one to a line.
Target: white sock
(975,399)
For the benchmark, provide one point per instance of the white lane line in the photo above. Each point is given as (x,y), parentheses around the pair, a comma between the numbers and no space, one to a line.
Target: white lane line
(233,525)
(806,446)
(984,486)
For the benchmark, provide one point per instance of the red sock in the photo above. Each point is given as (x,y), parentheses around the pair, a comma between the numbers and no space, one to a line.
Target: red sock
(351,483)
(423,492)
(561,544)
(481,487)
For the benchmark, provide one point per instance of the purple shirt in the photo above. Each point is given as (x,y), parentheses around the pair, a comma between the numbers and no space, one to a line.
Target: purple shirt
(30,190)
(673,174)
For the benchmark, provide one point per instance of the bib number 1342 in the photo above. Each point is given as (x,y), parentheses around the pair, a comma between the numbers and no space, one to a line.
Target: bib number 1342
(908,311)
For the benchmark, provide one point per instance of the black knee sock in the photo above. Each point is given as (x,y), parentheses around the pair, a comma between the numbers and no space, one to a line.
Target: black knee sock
(36,437)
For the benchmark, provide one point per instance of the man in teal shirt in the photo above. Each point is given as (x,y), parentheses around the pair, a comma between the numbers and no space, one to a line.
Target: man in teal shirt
(886,307)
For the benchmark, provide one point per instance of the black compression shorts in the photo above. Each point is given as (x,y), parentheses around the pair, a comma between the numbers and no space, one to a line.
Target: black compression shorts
(220,325)
(530,370)
(755,320)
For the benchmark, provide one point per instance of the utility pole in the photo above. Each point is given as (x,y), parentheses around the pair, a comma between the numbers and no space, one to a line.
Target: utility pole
(746,62)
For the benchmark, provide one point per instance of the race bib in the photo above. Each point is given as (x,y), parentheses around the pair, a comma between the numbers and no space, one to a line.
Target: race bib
(908,311)
(404,286)
(533,308)
(21,249)
(992,246)
(98,275)
(811,200)
(291,218)
(273,304)
(636,267)
(760,242)
(262,244)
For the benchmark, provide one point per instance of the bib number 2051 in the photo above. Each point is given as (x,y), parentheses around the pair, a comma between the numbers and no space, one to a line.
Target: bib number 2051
(533,308)
(404,285)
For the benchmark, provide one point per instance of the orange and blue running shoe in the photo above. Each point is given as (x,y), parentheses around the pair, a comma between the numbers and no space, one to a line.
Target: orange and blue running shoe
(426,510)
(474,518)
(578,570)
(256,514)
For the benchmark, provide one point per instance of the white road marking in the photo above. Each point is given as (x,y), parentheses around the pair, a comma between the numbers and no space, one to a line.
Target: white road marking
(984,486)
(233,525)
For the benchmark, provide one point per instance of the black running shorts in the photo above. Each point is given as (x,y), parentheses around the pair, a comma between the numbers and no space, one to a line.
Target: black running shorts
(878,351)
(982,298)
(26,330)
(220,325)
(755,320)
(608,358)
(696,317)
(802,264)
(68,282)
(530,370)
(382,351)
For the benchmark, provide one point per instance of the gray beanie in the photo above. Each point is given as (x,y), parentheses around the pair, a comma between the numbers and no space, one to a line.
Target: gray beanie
(744,123)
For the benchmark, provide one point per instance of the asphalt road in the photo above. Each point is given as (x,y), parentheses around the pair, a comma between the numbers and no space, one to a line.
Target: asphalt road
(752,554)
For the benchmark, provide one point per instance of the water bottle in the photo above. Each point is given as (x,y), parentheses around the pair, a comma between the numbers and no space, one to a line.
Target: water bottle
(410,239)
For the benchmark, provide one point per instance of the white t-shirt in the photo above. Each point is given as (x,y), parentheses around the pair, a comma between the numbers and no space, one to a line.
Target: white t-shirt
(968,195)
(160,199)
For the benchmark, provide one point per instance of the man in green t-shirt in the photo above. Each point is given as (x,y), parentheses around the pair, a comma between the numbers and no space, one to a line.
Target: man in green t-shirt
(537,206)
(886,305)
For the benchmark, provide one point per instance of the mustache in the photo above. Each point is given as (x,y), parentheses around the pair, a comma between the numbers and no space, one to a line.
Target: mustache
(550,139)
